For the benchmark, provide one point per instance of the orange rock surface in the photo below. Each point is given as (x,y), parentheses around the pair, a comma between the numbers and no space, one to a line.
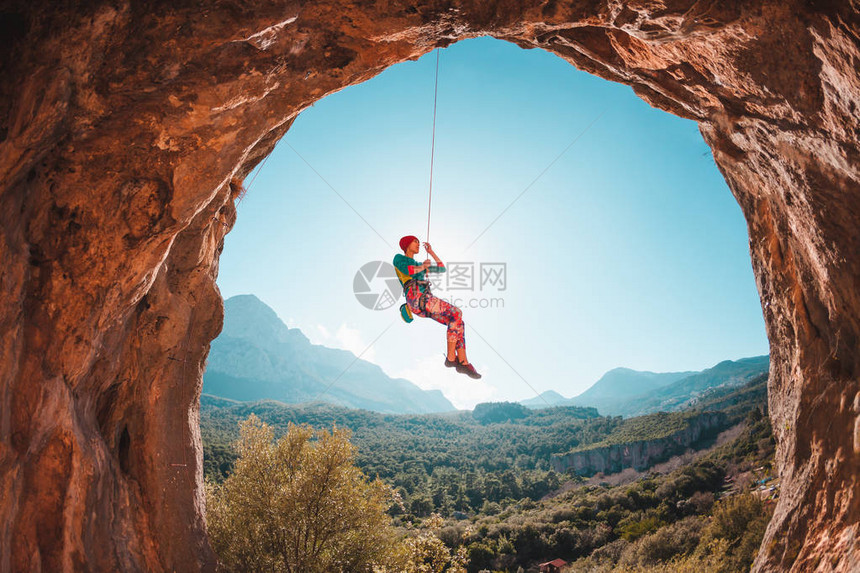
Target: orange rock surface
(123,123)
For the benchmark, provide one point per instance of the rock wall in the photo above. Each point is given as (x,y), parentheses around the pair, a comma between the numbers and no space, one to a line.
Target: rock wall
(123,124)
(639,455)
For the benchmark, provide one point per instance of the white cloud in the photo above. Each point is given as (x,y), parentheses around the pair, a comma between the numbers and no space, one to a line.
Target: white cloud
(345,338)
(430,373)
(427,373)
(350,339)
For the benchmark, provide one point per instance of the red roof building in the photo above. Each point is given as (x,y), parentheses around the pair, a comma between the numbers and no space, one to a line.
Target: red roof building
(553,566)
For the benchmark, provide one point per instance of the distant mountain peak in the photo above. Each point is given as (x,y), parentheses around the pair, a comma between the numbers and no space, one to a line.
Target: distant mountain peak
(250,303)
(245,315)
(258,357)
(552,395)
(248,306)
(631,393)
(627,382)
(620,369)
(549,397)
(627,392)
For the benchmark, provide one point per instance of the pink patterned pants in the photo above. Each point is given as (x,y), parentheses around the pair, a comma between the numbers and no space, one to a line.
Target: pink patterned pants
(442,312)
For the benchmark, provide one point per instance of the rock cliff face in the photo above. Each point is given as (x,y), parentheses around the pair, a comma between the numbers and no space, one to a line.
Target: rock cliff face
(639,455)
(122,125)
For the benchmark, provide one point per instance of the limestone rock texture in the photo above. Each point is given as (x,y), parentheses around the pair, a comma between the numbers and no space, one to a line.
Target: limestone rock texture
(639,455)
(127,128)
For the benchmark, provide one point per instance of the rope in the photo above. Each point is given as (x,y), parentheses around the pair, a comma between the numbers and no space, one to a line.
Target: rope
(433,146)
(260,168)
(242,192)
(183,385)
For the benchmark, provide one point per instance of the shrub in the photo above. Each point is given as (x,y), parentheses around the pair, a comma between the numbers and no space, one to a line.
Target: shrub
(425,552)
(732,515)
(741,521)
(636,528)
(481,556)
(665,544)
(298,505)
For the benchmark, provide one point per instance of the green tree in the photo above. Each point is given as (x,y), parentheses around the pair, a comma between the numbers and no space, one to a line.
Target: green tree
(495,412)
(299,505)
(424,552)
(741,521)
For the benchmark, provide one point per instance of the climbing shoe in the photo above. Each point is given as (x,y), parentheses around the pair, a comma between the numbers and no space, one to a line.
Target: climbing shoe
(450,363)
(468,370)
(405,313)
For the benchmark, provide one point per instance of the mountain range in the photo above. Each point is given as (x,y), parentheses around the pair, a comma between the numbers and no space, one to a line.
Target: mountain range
(625,392)
(257,357)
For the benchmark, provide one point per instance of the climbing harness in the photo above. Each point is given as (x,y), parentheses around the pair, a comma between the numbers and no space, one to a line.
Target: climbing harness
(422,300)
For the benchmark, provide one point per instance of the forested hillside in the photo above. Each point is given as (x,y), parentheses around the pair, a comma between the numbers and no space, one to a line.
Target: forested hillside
(706,516)
(488,473)
(448,462)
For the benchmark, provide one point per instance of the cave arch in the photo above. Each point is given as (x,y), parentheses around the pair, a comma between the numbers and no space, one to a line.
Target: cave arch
(127,128)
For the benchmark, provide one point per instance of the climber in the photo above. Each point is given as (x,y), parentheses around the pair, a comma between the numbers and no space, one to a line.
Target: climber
(420,301)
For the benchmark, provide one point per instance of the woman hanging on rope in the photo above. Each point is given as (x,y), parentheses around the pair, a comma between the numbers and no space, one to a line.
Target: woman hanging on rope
(420,301)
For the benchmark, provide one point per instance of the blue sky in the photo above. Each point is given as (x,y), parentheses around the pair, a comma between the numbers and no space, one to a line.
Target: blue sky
(627,250)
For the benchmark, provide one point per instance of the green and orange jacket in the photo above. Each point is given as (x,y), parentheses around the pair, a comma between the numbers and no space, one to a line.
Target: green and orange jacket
(406,265)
